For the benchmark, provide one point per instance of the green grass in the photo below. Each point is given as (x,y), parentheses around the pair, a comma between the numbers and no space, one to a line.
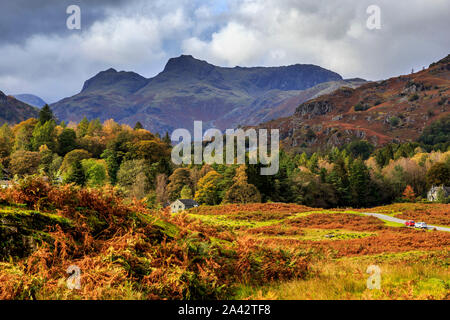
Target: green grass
(321,234)
(392,223)
(232,224)
(32,218)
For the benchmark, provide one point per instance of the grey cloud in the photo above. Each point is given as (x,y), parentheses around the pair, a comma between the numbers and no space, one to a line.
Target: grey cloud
(21,19)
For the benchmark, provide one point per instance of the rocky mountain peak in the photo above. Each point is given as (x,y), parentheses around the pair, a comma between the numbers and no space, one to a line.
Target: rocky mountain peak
(111,79)
(187,64)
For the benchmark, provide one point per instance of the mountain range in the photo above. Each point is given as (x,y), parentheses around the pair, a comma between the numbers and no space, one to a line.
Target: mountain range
(30,99)
(189,89)
(13,111)
(392,110)
(313,107)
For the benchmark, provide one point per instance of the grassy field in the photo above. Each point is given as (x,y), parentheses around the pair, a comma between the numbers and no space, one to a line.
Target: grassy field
(414,264)
(410,275)
(253,251)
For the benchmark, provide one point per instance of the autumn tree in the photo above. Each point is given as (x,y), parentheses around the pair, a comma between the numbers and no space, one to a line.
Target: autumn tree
(96,145)
(23,132)
(24,162)
(94,128)
(161,188)
(241,191)
(127,176)
(439,174)
(179,178)
(46,157)
(186,193)
(409,194)
(139,186)
(150,150)
(6,141)
(208,191)
(73,156)
(307,189)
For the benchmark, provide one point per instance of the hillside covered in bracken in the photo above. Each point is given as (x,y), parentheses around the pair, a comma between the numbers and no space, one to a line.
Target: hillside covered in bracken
(236,251)
(392,110)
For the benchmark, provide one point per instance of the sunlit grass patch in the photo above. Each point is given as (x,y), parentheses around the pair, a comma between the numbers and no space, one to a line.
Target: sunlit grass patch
(336,234)
(410,275)
(392,223)
(321,234)
(232,224)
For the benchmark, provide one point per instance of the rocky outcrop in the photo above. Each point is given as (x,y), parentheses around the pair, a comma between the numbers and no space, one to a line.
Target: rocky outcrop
(314,108)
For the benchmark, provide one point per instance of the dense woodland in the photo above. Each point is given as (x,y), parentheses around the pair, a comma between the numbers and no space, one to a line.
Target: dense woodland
(137,162)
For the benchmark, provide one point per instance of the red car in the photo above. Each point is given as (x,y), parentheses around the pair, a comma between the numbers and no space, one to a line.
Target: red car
(410,223)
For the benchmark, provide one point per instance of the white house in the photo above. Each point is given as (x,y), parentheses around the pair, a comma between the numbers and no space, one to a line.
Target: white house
(182,204)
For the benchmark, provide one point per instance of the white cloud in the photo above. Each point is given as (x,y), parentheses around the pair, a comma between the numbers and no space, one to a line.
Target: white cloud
(330,34)
(233,45)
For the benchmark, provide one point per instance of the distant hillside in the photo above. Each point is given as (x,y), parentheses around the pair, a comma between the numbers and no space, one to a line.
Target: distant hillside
(189,89)
(269,108)
(393,110)
(30,99)
(14,111)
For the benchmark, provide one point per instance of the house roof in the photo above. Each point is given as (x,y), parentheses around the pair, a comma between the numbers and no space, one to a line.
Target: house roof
(188,202)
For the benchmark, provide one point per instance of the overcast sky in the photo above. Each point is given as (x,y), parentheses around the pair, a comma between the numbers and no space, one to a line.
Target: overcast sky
(39,55)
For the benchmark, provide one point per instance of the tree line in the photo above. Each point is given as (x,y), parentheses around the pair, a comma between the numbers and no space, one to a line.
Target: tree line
(136,161)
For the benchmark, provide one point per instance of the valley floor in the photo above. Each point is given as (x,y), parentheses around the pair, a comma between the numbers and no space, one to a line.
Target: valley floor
(252,251)
(413,264)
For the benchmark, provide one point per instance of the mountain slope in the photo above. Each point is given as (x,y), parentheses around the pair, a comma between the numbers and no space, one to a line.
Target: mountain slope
(393,110)
(189,89)
(30,99)
(283,104)
(14,111)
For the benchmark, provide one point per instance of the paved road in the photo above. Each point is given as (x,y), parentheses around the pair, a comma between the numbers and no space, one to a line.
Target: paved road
(393,219)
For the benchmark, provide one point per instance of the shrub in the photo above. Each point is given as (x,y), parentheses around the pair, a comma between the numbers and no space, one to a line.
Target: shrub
(361,107)
(394,121)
